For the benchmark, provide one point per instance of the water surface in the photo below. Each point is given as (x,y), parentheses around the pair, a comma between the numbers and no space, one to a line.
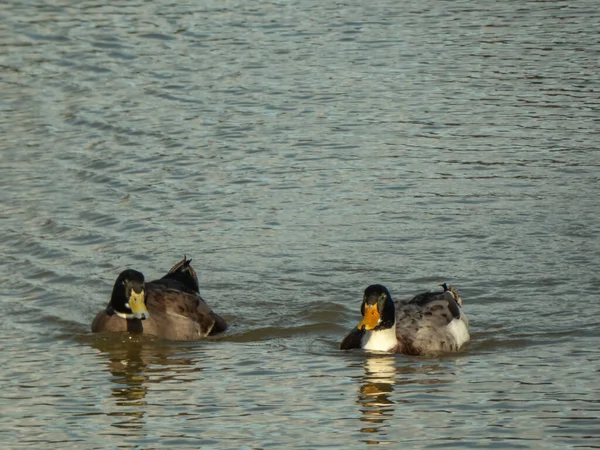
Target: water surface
(298,152)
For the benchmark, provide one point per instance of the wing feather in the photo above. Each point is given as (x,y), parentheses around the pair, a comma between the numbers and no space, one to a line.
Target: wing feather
(422,323)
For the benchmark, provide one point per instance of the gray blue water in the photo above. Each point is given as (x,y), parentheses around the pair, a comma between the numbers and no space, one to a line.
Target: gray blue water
(298,152)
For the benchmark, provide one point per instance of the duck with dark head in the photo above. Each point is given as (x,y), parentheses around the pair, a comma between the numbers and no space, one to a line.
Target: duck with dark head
(430,323)
(170,307)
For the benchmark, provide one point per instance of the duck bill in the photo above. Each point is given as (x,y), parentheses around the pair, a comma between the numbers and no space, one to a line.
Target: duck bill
(371,318)
(137,305)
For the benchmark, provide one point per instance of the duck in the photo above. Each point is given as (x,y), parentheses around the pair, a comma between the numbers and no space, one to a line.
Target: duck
(431,323)
(170,307)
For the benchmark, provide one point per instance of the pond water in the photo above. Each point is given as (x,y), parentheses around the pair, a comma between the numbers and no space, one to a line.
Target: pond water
(298,152)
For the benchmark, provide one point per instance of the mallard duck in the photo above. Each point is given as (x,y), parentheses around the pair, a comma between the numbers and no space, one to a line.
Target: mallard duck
(170,307)
(427,324)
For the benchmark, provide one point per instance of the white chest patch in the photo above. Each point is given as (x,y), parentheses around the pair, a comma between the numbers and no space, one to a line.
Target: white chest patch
(381,340)
(458,329)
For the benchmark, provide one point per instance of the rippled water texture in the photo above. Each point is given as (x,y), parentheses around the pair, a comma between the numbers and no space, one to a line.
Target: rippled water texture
(298,152)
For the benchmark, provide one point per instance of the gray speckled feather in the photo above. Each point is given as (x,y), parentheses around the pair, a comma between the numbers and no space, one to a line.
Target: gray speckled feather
(425,324)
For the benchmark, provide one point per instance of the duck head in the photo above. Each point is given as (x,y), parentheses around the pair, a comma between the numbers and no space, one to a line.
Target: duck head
(377,309)
(128,298)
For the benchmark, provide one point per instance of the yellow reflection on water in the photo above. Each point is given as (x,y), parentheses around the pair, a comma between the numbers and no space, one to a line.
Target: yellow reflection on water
(135,363)
(374,396)
(377,399)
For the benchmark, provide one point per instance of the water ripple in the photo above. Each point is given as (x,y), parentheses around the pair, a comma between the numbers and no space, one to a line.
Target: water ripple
(299,152)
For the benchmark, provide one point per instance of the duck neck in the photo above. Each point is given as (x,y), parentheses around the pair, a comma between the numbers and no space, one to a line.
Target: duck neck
(124,315)
(117,303)
(110,310)
(381,340)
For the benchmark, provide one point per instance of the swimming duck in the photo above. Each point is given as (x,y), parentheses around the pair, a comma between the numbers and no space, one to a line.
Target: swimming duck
(170,307)
(427,324)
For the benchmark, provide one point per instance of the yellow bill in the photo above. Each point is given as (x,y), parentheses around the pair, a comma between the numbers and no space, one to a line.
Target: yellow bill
(138,305)
(371,318)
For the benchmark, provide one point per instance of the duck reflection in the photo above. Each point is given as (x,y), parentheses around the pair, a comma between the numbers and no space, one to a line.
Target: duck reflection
(374,393)
(135,363)
(378,402)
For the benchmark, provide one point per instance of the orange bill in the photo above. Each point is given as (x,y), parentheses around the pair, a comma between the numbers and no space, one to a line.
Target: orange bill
(371,318)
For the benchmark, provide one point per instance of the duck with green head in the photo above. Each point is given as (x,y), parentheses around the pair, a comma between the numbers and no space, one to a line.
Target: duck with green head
(170,307)
(431,323)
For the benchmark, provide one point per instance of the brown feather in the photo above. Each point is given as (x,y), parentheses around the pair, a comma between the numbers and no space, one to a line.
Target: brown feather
(174,315)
